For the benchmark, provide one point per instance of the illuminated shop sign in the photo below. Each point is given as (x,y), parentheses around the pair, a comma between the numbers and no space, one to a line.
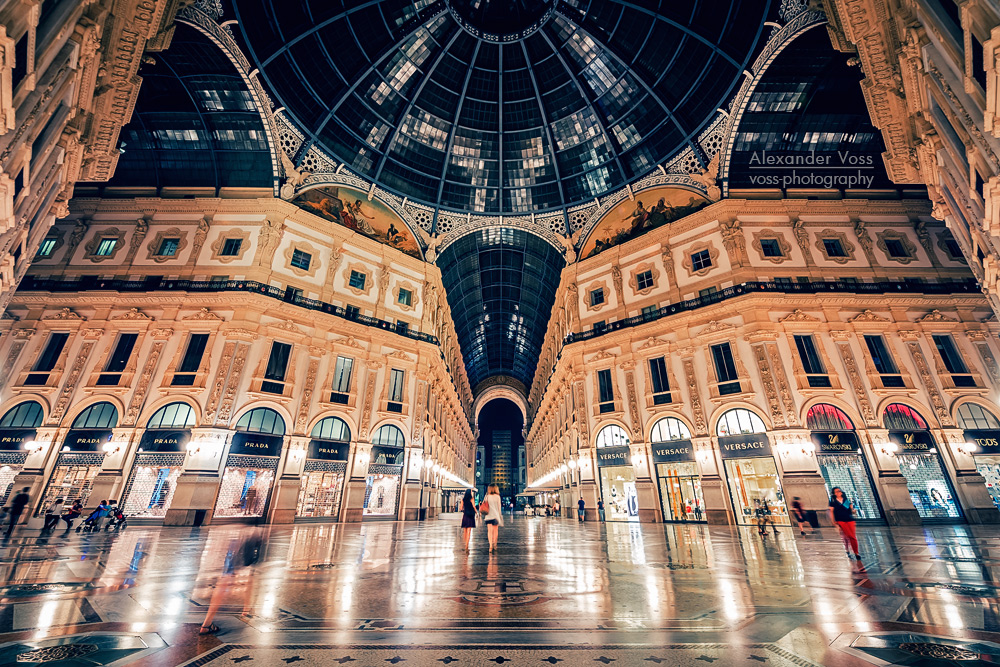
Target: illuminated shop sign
(675,450)
(15,438)
(988,442)
(90,440)
(746,446)
(164,441)
(612,456)
(836,442)
(328,450)
(912,441)
(392,456)
(256,443)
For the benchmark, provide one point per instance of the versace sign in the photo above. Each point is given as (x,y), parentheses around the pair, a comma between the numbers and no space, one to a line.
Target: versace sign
(746,446)
(836,442)
(675,450)
(612,456)
(256,443)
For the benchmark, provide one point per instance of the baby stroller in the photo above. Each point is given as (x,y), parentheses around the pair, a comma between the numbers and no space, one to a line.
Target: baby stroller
(116,519)
(89,524)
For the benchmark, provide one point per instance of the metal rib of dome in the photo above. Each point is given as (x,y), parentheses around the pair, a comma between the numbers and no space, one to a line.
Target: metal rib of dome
(581,98)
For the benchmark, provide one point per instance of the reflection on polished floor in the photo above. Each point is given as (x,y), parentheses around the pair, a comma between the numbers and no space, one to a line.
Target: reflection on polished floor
(557,592)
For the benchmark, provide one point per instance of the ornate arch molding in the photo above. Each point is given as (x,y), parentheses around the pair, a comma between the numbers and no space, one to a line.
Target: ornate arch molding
(204,17)
(501,391)
(798,19)
(482,222)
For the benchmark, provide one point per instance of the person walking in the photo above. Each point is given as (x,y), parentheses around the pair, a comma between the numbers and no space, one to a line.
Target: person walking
(74,511)
(52,514)
(468,518)
(237,570)
(842,514)
(492,507)
(799,512)
(600,510)
(556,508)
(580,509)
(17,508)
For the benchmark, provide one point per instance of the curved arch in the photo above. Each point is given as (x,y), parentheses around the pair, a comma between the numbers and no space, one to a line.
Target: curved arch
(93,400)
(669,422)
(924,410)
(286,416)
(501,391)
(736,421)
(736,405)
(480,223)
(902,417)
(176,414)
(13,401)
(843,406)
(611,433)
(26,414)
(976,414)
(261,420)
(828,417)
(351,425)
(388,434)
(102,415)
(331,428)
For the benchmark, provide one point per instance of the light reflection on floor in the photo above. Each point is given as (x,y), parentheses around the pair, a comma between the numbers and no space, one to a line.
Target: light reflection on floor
(595,592)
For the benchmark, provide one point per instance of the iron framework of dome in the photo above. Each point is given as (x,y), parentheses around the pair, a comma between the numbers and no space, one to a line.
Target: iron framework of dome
(575,99)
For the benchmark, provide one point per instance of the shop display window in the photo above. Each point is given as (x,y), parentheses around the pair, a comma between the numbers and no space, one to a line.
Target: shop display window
(849,473)
(245,486)
(929,488)
(621,503)
(152,485)
(752,482)
(321,489)
(680,491)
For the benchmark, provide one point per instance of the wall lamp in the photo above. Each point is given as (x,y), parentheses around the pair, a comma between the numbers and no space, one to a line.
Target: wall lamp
(890,449)
(802,448)
(966,448)
(111,447)
(572,464)
(33,446)
(207,447)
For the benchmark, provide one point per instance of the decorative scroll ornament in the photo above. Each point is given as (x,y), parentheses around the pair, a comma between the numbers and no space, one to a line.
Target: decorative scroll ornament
(936,316)
(64,314)
(132,314)
(204,314)
(798,316)
(868,316)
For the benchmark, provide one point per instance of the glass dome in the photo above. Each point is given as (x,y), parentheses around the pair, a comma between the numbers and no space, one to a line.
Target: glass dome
(503,106)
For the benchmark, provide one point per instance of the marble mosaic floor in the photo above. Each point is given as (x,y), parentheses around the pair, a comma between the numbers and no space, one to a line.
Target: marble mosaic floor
(556,592)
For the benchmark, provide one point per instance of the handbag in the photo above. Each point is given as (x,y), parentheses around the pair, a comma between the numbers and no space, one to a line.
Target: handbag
(484,507)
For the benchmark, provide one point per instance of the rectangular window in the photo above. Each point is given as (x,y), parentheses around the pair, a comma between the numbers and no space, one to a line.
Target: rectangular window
(953,361)
(357,280)
(352,311)
(725,369)
(106,247)
(301,260)
(118,360)
(47,247)
(396,379)
(660,380)
(895,248)
(293,294)
(834,248)
(644,280)
(597,296)
(771,248)
(883,361)
(168,247)
(47,360)
(708,291)
(231,247)
(20,62)
(405,297)
(701,260)
(191,361)
(811,361)
(605,391)
(978,62)
(342,380)
(277,365)
(649,311)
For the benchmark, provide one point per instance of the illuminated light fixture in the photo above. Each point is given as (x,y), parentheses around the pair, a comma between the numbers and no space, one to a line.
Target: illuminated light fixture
(65,448)
(435,467)
(966,448)
(33,446)
(703,455)
(428,463)
(890,449)
(572,464)
(637,460)
(111,447)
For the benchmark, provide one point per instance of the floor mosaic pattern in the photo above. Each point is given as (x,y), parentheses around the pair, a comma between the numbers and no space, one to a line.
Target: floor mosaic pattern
(556,592)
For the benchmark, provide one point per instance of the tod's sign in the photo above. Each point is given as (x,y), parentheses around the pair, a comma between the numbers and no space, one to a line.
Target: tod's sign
(745,446)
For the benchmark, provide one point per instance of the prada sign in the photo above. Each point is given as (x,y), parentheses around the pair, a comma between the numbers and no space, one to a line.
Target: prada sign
(612,456)
(15,438)
(987,441)
(329,450)
(675,450)
(164,441)
(747,446)
(392,456)
(256,443)
(88,440)
(836,442)
(912,441)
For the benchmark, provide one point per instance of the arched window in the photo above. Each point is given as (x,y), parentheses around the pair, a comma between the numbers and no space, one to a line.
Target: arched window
(23,415)
(826,417)
(738,421)
(98,415)
(612,435)
(970,415)
(262,420)
(172,415)
(669,428)
(332,428)
(388,435)
(899,417)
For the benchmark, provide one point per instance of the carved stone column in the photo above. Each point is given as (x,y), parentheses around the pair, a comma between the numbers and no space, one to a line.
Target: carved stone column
(285,495)
(197,487)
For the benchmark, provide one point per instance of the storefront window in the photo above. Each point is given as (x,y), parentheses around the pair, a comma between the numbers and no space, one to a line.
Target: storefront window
(325,468)
(159,461)
(982,430)
(81,456)
(841,462)
(385,473)
(677,475)
(616,476)
(17,426)
(919,462)
(251,464)
(751,472)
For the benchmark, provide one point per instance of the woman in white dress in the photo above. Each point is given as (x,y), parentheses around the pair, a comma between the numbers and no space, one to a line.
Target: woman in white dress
(492,507)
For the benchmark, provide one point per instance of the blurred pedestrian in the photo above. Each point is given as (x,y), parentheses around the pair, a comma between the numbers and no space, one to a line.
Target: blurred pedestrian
(492,507)
(17,506)
(242,555)
(799,512)
(600,510)
(53,514)
(468,518)
(842,514)
(580,509)
(74,511)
